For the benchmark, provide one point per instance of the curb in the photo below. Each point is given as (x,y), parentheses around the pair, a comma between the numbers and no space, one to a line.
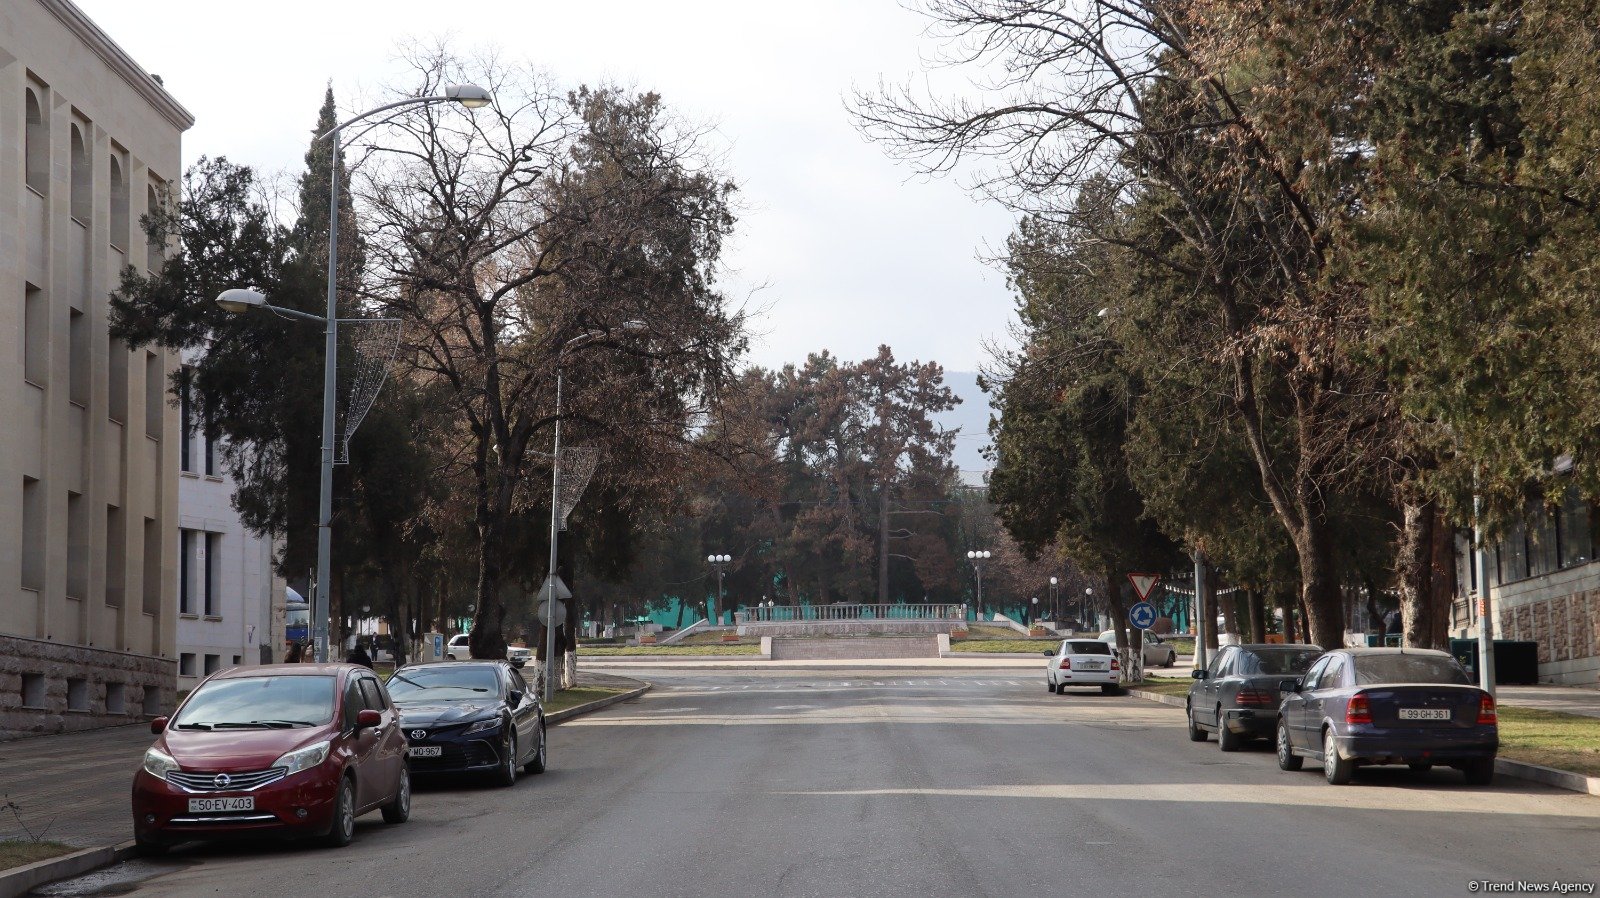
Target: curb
(20,880)
(1538,773)
(580,710)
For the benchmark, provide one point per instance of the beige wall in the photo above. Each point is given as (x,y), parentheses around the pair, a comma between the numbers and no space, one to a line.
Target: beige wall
(91,458)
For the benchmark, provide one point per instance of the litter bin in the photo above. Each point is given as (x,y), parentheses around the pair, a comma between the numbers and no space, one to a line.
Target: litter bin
(1515,661)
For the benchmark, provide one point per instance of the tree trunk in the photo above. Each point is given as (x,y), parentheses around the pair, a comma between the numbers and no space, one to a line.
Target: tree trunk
(1425,582)
(1258,615)
(1444,580)
(1206,602)
(1322,602)
(1286,608)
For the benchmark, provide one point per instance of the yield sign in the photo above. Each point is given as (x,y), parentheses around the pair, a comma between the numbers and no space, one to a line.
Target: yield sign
(1143,583)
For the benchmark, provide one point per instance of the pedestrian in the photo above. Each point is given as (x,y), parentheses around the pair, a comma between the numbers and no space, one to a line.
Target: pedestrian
(294,653)
(358,655)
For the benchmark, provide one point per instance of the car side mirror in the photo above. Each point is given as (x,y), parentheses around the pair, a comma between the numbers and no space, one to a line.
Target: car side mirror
(158,726)
(1297,686)
(1287,686)
(366,718)
(519,663)
(1200,673)
(1048,653)
(514,697)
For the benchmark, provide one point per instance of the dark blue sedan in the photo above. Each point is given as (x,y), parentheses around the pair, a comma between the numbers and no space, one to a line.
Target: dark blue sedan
(469,717)
(1356,707)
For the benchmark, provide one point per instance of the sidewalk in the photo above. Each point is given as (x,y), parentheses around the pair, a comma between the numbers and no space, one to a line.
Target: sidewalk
(969,661)
(76,787)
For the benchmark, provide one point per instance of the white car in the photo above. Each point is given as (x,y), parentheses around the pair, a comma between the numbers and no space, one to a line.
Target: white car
(1082,662)
(1157,652)
(459,648)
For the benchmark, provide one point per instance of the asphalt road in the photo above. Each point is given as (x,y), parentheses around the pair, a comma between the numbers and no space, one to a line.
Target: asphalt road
(845,783)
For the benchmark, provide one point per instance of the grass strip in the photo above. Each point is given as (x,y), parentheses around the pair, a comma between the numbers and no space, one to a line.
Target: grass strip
(1030,646)
(21,852)
(580,695)
(1552,738)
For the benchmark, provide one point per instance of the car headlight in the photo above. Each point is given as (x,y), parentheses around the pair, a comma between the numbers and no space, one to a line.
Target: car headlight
(304,758)
(159,764)
(488,723)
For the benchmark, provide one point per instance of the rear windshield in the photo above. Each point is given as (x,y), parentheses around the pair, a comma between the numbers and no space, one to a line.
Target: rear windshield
(258,703)
(1087,647)
(1281,663)
(1372,669)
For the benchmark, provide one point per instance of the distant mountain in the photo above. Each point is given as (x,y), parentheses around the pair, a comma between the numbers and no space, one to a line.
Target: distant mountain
(971,420)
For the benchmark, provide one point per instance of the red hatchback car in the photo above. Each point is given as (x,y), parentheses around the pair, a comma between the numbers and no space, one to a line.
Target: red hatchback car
(281,750)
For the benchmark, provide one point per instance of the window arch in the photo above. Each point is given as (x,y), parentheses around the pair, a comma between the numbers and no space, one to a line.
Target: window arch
(82,185)
(119,205)
(35,145)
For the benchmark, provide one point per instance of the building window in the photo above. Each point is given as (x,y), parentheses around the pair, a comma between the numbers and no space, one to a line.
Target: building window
(1576,541)
(186,416)
(77,695)
(119,205)
(185,569)
(152,567)
(78,358)
(1542,541)
(32,690)
(153,392)
(212,561)
(36,145)
(77,546)
(186,664)
(210,449)
(116,698)
(32,535)
(82,180)
(237,660)
(1514,554)
(35,336)
(116,556)
(151,703)
(213,664)
(154,252)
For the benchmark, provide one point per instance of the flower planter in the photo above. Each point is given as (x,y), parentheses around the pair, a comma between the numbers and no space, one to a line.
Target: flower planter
(958,634)
(1037,631)
(647,640)
(730,637)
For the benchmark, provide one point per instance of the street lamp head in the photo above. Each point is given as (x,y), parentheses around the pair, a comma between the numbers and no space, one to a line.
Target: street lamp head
(634,326)
(1054,581)
(987,554)
(469,95)
(240,300)
(1034,600)
(1088,592)
(971,555)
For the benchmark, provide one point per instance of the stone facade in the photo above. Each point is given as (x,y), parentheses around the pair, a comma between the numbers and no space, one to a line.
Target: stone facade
(89,142)
(847,627)
(77,688)
(1566,629)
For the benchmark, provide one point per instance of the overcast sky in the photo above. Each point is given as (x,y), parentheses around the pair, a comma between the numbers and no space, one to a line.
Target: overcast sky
(847,247)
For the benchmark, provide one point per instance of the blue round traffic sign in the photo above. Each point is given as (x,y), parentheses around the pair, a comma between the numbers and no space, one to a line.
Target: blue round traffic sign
(1142,615)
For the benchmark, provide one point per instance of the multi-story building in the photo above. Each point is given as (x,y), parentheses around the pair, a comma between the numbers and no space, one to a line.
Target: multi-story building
(88,441)
(230,603)
(1544,587)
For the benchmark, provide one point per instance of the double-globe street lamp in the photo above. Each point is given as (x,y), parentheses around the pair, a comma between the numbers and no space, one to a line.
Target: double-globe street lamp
(720,562)
(977,558)
(237,301)
(555,503)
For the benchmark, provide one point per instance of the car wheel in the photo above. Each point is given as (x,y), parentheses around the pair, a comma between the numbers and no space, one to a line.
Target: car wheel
(1049,685)
(148,847)
(506,775)
(449,657)
(1172,658)
(343,830)
(1195,733)
(1287,759)
(399,810)
(1227,740)
(1480,772)
(1337,770)
(540,757)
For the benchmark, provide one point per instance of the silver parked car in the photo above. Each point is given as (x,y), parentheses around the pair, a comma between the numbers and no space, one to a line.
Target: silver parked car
(1157,652)
(1237,696)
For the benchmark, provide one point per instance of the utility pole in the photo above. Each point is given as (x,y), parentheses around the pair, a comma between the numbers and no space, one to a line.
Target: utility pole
(1485,618)
(1200,609)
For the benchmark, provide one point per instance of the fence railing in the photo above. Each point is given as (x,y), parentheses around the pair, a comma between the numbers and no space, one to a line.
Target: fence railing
(788,613)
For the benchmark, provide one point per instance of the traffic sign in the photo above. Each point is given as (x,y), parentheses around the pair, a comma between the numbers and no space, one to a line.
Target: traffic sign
(1142,615)
(544,614)
(1143,583)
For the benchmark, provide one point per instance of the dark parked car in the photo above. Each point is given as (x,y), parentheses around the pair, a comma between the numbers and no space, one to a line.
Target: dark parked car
(292,749)
(1388,706)
(1237,696)
(470,717)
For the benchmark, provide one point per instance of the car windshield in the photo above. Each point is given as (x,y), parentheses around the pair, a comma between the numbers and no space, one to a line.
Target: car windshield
(258,703)
(1088,647)
(1281,663)
(1397,668)
(446,683)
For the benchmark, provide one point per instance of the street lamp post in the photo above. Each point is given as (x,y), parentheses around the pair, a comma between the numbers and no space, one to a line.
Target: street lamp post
(1033,612)
(470,96)
(555,505)
(1083,606)
(720,562)
(1055,599)
(977,558)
